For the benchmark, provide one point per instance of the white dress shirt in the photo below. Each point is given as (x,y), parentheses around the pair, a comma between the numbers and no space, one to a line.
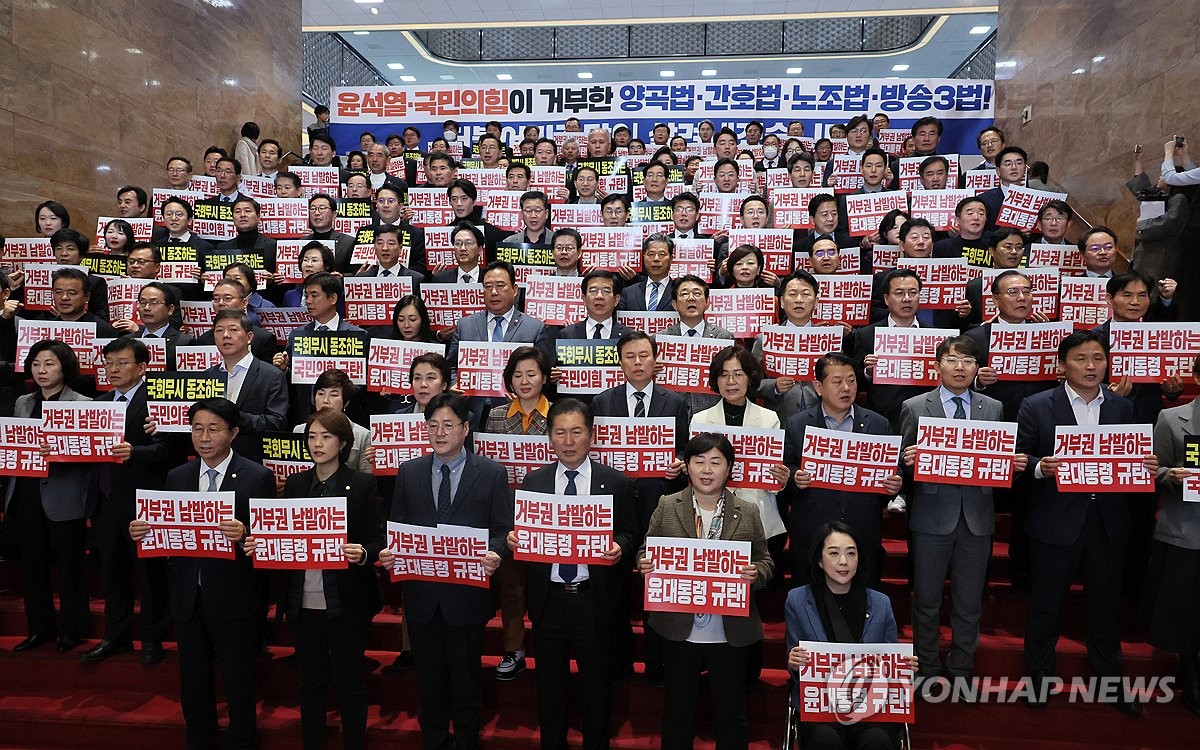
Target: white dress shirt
(583,486)
(235,379)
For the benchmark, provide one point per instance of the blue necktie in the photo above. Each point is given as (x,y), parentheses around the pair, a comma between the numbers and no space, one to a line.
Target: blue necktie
(498,331)
(960,411)
(654,291)
(212,480)
(568,571)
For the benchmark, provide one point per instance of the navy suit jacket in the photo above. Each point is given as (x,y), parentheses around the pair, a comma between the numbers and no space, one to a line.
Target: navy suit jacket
(605,579)
(633,297)
(580,330)
(1057,517)
(483,501)
(229,585)
(263,403)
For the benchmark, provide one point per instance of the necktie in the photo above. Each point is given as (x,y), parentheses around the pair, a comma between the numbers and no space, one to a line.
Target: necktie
(655,287)
(692,332)
(598,333)
(960,411)
(150,335)
(498,331)
(212,479)
(569,571)
(639,409)
(444,495)
(385,272)
(122,398)
(322,327)
(466,279)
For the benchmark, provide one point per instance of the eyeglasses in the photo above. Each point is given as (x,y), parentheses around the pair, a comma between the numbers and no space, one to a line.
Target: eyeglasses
(690,295)
(956,361)
(533,210)
(826,253)
(225,298)
(681,209)
(174,214)
(1011,247)
(178,170)
(386,201)
(1107,247)
(150,303)
(1018,291)
(906,293)
(565,248)
(990,142)
(208,430)
(139,261)
(225,172)
(442,428)
(599,291)
(466,243)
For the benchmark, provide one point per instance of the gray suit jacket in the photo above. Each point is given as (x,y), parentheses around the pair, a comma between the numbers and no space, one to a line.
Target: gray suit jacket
(1178,522)
(69,492)
(936,507)
(523,329)
(674,517)
(698,402)
(800,397)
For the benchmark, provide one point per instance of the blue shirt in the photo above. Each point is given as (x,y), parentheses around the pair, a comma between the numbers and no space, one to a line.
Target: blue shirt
(947,397)
(456,471)
(844,425)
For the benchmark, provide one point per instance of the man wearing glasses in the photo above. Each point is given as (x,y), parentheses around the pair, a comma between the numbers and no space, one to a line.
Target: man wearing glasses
(446,621)
(1010,168)
(177,226)
(322,209)
(566,245)
(468,244)
(179,173)
(535,213)
(990,141)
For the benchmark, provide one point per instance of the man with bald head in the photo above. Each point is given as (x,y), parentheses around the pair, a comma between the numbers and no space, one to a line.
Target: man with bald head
(599,143)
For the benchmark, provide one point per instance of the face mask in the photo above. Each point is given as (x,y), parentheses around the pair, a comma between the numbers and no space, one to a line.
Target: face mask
(770,152)
(450,135)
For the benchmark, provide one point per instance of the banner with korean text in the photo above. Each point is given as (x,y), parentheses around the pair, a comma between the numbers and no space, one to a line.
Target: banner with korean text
(974,453)
(81,337)
(1043,282)
(481,367)
(83,431)
(554,300)
(185,524)
(701,576)
(849,461)
(587,366)
(1026,351)
(397,438)
(1021,205)
(370,300)
(169,396)
(852,683)
(1084,301)
(1152,352)
(518,454)
(438,554)
(1104,458)
(635,446)
(450,303)
(943,280)
(21,439)
(299,533)
(312,354)
(742,312)
(563,528)
(865,210)
(906,356)
(389,363)
(792,352)
(844,299)
(757,450)
(686,361)
(285,453)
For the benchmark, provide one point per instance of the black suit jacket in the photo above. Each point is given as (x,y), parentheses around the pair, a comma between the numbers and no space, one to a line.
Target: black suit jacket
(803,239)
(174,338)
(579,330)
(263,403)
(884,399)
(605,579)
(1010,393)
(1147,398)
(993,199)
(356,586)
(228,585)
(343,248)
(633,298)
(147,465)
(453,275)
(1058,517)
(483,501)
(161,236)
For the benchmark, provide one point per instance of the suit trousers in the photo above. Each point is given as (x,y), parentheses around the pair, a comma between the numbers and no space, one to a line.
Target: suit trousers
(63,544)
(571,624)
(683,663)
(330,649)
(1052,568)
(965,556)
(512,575)
(119,564)
(449,676)
(232,644)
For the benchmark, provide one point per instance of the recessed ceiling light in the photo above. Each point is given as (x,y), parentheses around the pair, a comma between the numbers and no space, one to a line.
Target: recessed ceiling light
(708,72)
(1098,58)
(900,68)
(503,76)
(584,75)
(230,81)
(980,29)
(395,66)
(447,78)
(103,168)
(368,2)
(891,78)
(666,73)
(1077,71)
(361,33)
(137,51)
(374,11)
(794,71)
(408,79)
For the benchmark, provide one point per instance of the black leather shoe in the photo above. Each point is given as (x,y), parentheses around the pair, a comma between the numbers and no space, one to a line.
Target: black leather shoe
(1128,705)
(105,649)
(33,641)
(152,653)
(67,643)
(403,663)
(1038,696)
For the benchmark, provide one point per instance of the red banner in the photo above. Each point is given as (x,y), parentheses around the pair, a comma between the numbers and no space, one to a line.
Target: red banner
(81,337)
(757,450)
(701,576)
(849,461)
(867,209)
(518,454)
(563,528)
(430,207)
(283,218)
(196,358)
(1021,205)
(937,206)
(397,438)
(791,206)
(318,180)
(450,303)
(287,259)
(299,533)
(1152,352)
(442,554)
(775,244)
(649,323)
(371,300)
(389,361)
(635,446)
(610,248)
(555,300)
(20,447)
(845,172)
(910,171)
(185,524)
(844,299)
(686,362)
(853,683)
(1105,458)
(906,356)
(720,211)
(742,312)
(884,258)
(943,280)
(792,352)
(39,281)
(83,431)
(481,367)
(1044,282)
(1026,351)
(965,452)
(1066,258)
(281,321)
(1084,301)
(693,257)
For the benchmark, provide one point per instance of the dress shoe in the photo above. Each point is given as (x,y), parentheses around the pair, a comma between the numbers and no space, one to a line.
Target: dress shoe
(1038,689)
(33,641)
(403,663)
(933,687)
(1128,705)
(105,649)
(67,643)
(152,653)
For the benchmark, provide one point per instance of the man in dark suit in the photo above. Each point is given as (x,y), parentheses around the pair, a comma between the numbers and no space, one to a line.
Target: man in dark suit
(71,303)
(69,248)
(248,242)
(601,290)
(387,257)
(229,294)
(157,305)
(213,600)
(322,210)
(446,622)
(177,226)
(685,213)
(258,389)
(463,196)
(950,525)
(827,223)
(654,294)
(144,466)
(837,386)
(576,609)
(468,241)
(1010,167)
(1074,531)
(640,397)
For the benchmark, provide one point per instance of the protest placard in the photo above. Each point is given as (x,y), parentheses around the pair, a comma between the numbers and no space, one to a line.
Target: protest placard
(1152,352)
(906,356)
(397,438)
(21,439)
(792,352)
(83,431)
(1103,458)
(481,367)
(686,361)
(974,453)
(849,461)
(1026,351)
(185,524)
(169,396)
(700,576)
(856,683)
(518,454)
(299,533)
(575,529)
(441,554)
(635,446)
(757,450)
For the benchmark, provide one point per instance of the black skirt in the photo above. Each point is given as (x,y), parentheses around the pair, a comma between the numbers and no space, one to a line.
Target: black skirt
(1171,599)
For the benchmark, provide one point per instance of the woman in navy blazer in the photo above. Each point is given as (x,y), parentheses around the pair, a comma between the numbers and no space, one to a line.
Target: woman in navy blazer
(838,602)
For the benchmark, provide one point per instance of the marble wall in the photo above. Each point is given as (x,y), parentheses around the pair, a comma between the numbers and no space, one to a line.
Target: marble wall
(1139,64)
(96,94)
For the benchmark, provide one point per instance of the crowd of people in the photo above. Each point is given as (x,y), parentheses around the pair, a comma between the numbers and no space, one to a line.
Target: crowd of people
(823,544)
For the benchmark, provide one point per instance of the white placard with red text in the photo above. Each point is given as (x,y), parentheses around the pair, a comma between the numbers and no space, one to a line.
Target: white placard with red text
(775,244)
(438,554)
(397,438)
(1026,351)
(1066,258)
(856,683)
(686,361)
(1103,458)
(388,363)
(906,356)
(844,299)
(937,206)
(20,447)
(701,576)
(481,367)
(943,280)
(791,206)
(742,312)
(573,529)
(1084,301)
(866,210)
(1152,352)
(83,431)
(518,454)
(849,461)
(756,450)
(554,300)
(973,453)
(450,303)
(81,337)
(1021,205)
(635,446)
(370,300)
(299,533)
(185,524)
(792,352)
